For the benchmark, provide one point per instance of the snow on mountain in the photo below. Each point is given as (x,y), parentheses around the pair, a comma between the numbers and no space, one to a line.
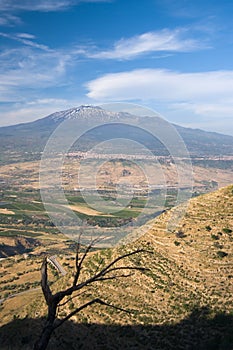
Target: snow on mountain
(86,112)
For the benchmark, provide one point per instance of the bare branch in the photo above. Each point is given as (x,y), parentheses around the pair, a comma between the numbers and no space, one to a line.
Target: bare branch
(79,264)
(127,268)
(78,268)
(70,299)
(121,268)
(44,281)
(113,277)
(60,295)
(84,306)
(109,272)
(107,269)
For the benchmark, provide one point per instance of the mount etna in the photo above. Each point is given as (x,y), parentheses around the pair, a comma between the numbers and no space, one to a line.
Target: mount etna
(32,136)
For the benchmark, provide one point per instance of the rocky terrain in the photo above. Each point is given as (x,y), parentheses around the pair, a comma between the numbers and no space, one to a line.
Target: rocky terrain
(183,301)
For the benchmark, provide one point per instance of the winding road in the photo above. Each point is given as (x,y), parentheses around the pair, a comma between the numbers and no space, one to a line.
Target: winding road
(53,261)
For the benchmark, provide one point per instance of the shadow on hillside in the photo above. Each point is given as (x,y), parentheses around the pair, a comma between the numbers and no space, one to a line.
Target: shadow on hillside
(197,332)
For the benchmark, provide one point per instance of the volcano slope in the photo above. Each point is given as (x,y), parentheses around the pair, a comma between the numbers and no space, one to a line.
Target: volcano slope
(183,301)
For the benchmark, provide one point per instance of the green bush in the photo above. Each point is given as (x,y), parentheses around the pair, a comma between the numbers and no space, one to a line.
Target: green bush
(215,237)
(227,230)
(221,254)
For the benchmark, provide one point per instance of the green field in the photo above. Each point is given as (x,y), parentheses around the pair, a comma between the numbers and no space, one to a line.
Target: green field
(22,213)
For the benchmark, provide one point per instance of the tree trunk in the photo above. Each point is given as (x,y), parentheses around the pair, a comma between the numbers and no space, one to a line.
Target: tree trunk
(45,336)
(48,329)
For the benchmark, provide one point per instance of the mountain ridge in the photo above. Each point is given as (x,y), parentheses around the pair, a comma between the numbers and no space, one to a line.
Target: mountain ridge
(71,112)
(34,135)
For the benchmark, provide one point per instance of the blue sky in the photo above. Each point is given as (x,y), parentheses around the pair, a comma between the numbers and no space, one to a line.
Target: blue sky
(175,56)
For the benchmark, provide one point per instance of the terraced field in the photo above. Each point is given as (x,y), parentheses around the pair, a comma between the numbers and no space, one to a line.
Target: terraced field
(183,301)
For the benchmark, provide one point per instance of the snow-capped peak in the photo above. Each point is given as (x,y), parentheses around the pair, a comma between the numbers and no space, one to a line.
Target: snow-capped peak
(85,112)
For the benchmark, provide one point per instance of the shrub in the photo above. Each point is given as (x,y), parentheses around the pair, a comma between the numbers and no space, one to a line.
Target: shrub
(215,237)
(227,230)
(221,254)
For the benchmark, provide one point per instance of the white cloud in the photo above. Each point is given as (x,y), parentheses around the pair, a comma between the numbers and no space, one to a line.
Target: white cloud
(204,93)
(9,8)
(10,20)
(214,109)
(25,36)
(31,67)
(25,70)
(163,40)
(34,5)
(41,5)
(24,39)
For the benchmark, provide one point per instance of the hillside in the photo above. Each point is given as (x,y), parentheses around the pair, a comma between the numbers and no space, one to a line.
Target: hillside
(16,245)
(184,301)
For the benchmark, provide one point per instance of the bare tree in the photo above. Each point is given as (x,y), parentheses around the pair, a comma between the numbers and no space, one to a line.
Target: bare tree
(109,272)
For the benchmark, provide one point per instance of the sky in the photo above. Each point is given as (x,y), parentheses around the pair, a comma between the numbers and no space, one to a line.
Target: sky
(174,56)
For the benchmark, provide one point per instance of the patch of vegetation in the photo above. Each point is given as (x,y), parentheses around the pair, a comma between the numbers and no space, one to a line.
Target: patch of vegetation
(227,230)
(221,254)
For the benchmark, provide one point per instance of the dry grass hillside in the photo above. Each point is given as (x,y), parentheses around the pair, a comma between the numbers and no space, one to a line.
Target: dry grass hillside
(184,300)
(25,175)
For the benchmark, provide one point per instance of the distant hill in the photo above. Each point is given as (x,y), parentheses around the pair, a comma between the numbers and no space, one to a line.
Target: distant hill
(10,246)
(32,136)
